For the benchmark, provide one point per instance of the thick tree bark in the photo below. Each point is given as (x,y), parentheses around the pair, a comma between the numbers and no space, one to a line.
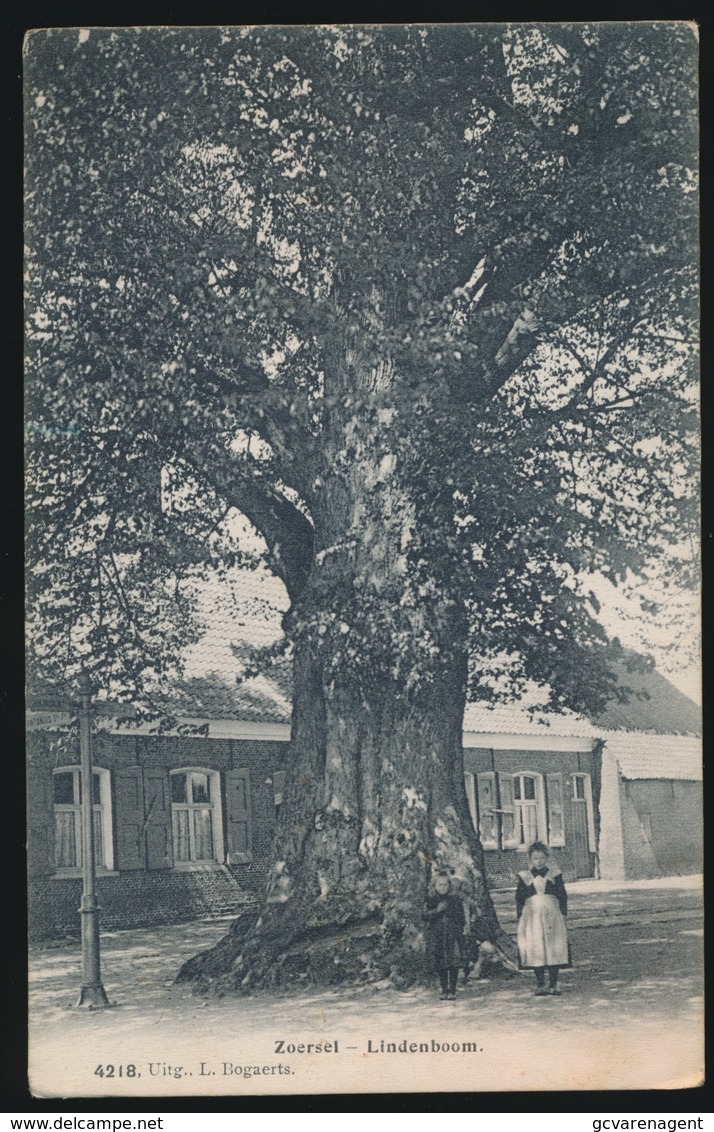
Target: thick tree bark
(374,805)
(375,800)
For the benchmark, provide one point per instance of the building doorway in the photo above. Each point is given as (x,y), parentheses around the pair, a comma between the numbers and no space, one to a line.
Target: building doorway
(581,822)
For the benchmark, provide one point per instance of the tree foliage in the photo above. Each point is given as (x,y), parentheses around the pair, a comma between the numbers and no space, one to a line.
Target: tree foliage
(256,253)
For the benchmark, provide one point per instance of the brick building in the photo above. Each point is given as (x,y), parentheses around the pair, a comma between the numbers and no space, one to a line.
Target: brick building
(532,778)
(184,821)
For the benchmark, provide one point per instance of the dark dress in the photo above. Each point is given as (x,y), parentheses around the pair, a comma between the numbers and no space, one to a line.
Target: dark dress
(541,906)
(445,930)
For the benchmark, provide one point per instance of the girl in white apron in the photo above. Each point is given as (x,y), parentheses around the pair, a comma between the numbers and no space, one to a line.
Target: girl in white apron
(542,905)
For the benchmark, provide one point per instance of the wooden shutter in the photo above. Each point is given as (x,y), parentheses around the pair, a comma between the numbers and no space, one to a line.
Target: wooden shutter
(470,784)
(130,815)
(487,809)
(279,786)
(40,819)
(556,823)
(509,834)
(157,802)
(240,832)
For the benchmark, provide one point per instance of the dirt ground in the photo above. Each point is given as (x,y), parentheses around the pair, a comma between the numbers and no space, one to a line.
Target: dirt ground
(630,1016)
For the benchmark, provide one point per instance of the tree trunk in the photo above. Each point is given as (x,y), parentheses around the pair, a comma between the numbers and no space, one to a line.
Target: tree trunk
(374,801)
(374,806)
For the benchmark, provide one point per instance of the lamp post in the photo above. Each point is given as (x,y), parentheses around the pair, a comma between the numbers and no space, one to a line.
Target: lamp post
(92,995)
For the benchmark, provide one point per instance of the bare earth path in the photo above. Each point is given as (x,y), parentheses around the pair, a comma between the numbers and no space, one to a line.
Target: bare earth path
(630,1016)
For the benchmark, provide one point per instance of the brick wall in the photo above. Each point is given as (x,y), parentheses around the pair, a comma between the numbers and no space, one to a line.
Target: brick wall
(145,889)
(141,899)
(662,827)
(503,864)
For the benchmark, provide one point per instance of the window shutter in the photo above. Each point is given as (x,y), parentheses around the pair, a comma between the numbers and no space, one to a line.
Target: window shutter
(278,786)
(40,819)
(131,843)
(470,784)
(488,810)
(240,833)
(157,801)
(556,824)
(509,835)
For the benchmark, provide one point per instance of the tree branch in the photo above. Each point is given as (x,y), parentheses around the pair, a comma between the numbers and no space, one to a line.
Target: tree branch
(287,531)
(270,416)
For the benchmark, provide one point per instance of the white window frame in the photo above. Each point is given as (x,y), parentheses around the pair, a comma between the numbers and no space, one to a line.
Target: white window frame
(538,804)
(104,807)
(586,780)
(216,807)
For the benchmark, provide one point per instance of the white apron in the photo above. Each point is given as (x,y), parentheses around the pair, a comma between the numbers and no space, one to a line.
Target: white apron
(542,934)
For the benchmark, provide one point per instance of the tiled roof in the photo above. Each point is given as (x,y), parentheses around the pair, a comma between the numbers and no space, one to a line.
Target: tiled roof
(243,612)
(247,612)
(266,699)
(240,614)
(514,719)
(258,700)
(655,705)
(644,755)
(213,688)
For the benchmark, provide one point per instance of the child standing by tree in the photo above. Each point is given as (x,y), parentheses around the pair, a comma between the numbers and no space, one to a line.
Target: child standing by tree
(541,906)
(445,917)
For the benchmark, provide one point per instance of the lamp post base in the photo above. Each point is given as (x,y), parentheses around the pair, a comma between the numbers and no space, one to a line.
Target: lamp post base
(92,997)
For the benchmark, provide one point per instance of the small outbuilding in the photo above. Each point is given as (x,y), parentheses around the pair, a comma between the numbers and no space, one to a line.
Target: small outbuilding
(651,805)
